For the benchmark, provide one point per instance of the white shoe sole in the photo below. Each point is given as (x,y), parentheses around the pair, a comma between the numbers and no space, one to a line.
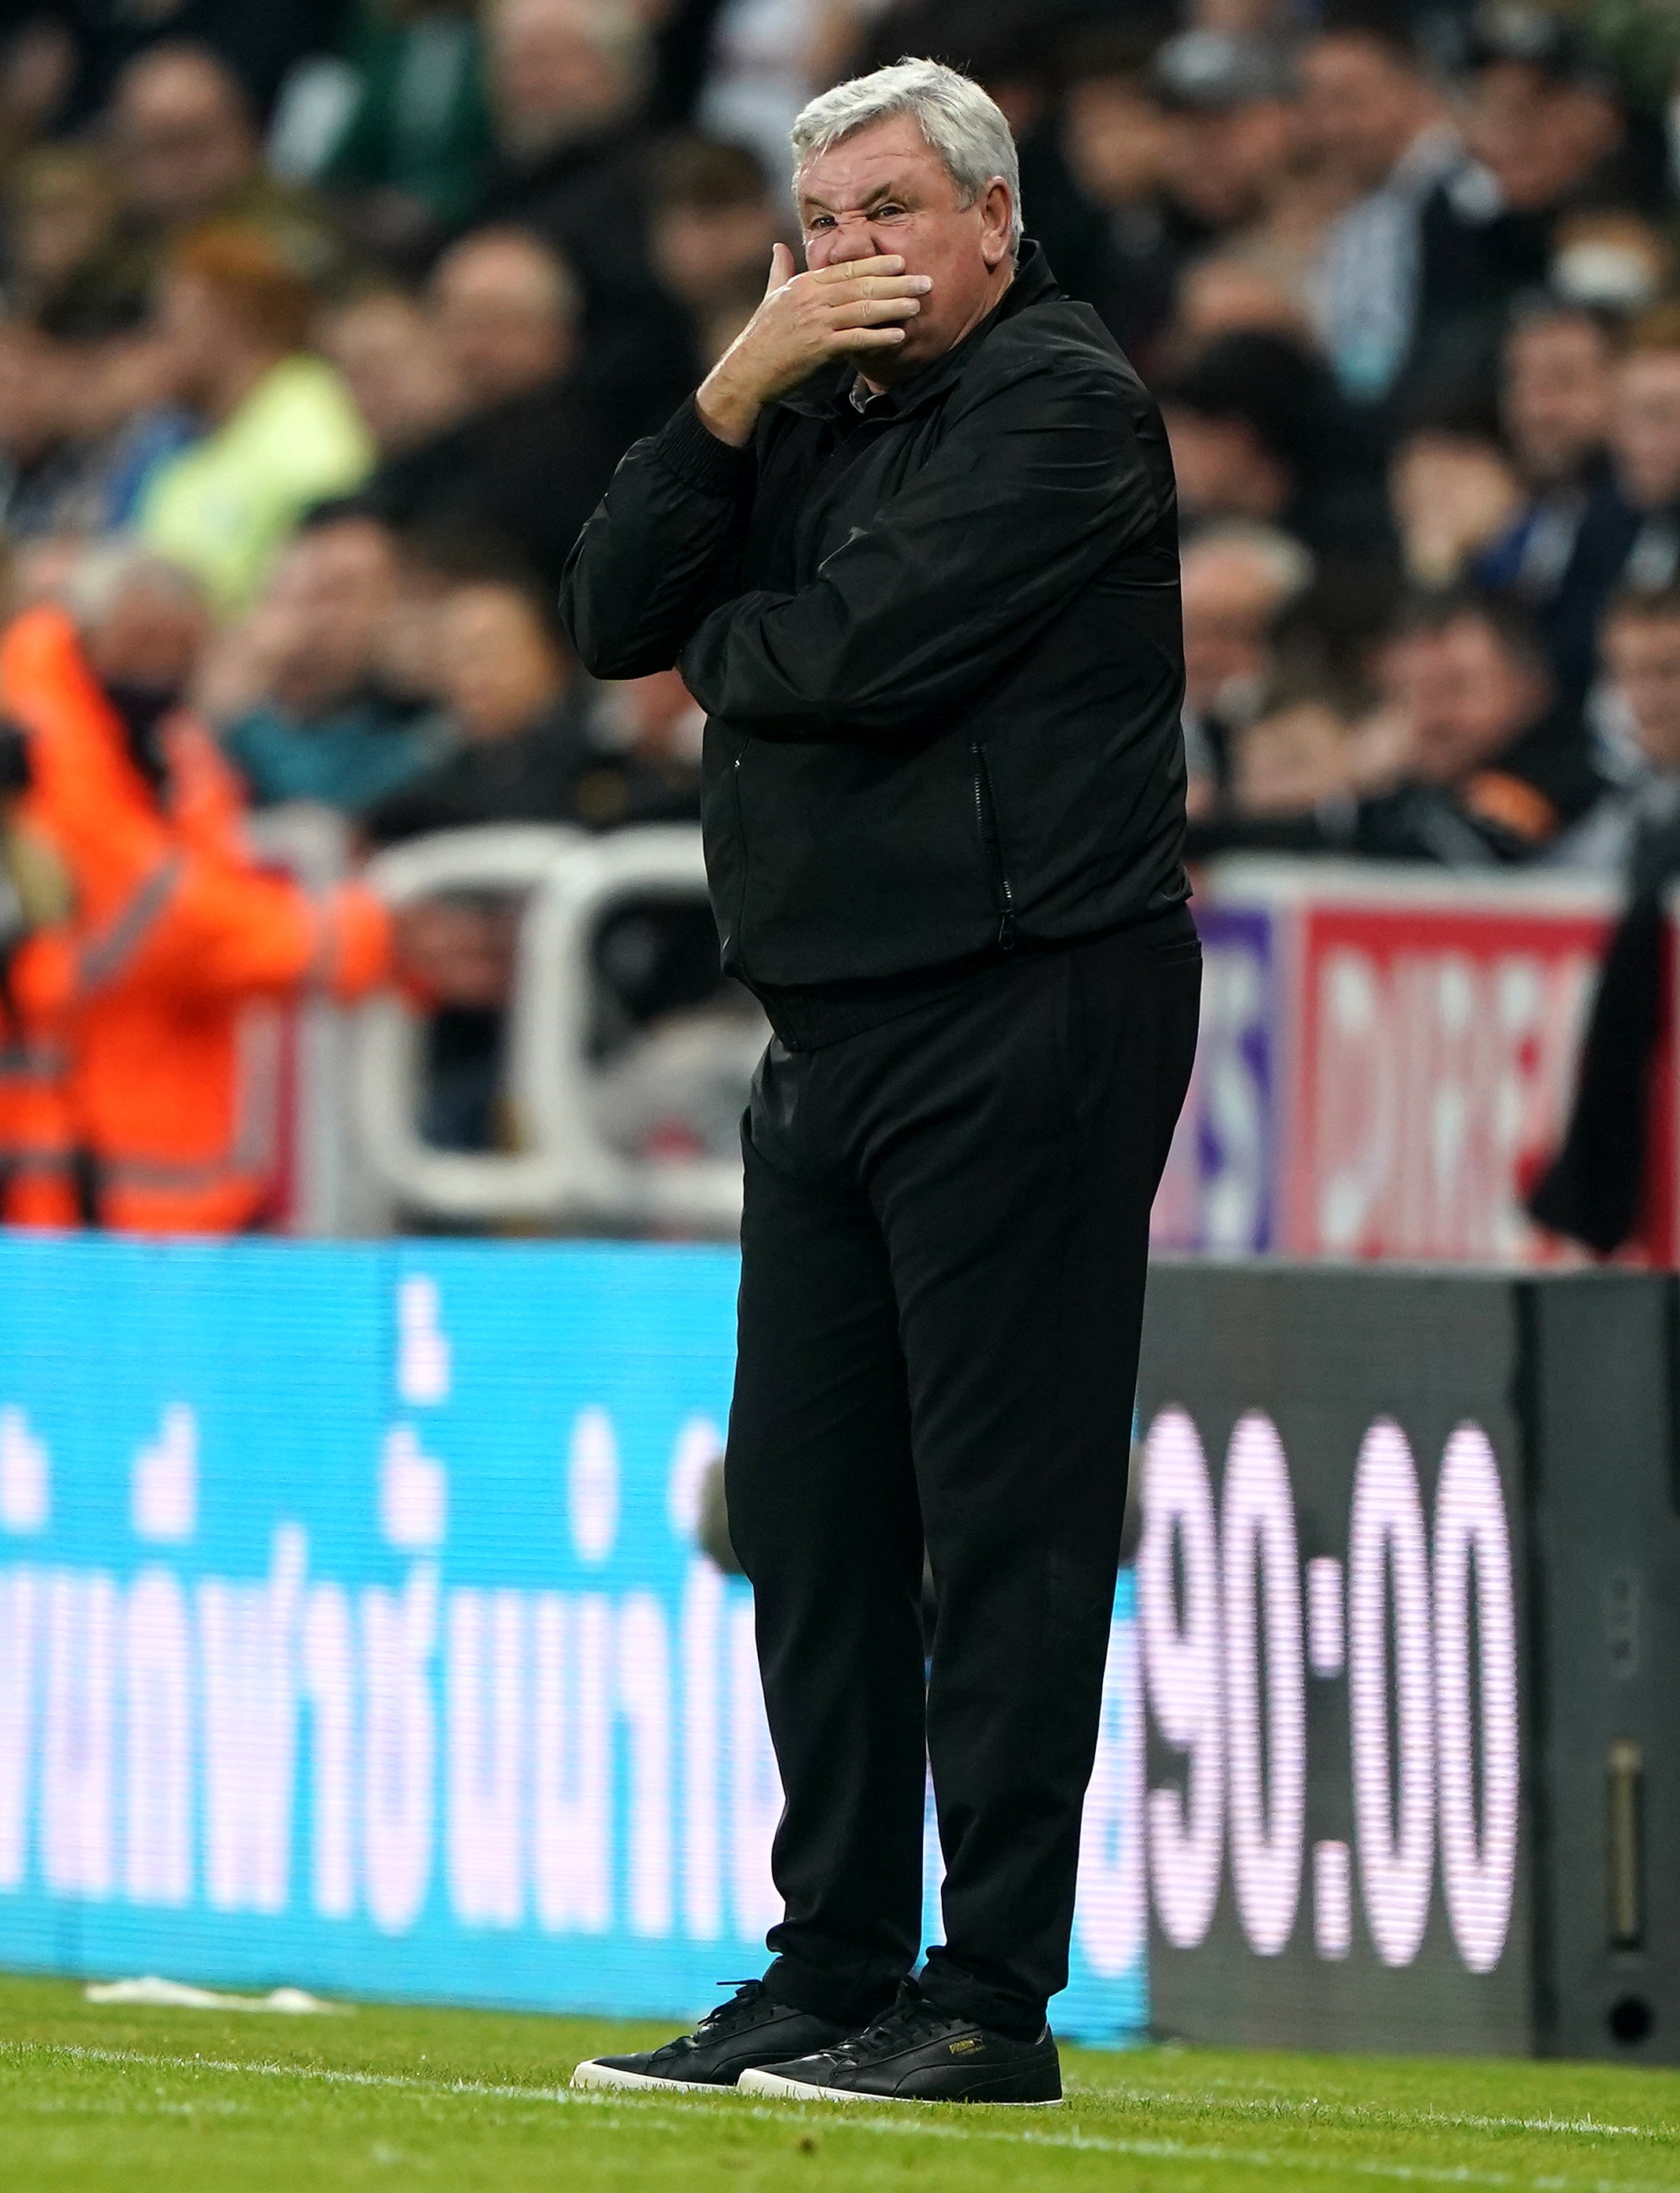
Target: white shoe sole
(797,2090)
(594,2073)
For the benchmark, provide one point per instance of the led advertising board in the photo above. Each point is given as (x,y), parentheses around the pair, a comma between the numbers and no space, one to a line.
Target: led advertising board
(354,1634)
(1399,1795)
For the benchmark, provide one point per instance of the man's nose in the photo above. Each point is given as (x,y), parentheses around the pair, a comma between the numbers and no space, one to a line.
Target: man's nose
(853,238)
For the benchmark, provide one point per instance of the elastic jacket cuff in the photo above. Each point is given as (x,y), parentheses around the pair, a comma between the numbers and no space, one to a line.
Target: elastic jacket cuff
(688,447)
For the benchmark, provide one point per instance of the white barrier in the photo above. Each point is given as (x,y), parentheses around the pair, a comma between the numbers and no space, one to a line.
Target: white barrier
(565,1174)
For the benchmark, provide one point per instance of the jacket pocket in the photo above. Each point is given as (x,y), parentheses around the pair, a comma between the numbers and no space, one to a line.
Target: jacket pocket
(991,845)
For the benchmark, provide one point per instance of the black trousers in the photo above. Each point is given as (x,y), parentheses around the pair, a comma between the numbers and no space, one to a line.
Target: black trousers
(944,1245)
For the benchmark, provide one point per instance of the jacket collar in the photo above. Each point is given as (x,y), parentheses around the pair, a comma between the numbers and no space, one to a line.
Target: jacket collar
(827,390)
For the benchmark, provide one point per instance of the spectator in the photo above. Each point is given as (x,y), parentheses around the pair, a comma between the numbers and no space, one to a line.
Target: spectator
(1593,1190)
(1641,647)
(1230,103)
(1544,114)
(532,453)
(280,431)
(1403,280)
(711,228)
(529,751)
(185,144)
(1490,766)
(1499,764)
(175,931)
(49,479)
(391,357)
(1645,449)
(1295,759)
(1115,136)
(62,211)
(1258,432)
(1452,493)
(324,725)
(1557,381)
(1237,580)
(566,81)
(1244,290)
(413,157)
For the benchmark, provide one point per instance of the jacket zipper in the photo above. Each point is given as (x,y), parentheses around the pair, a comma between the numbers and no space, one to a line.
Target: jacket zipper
(985,815)
(741,835)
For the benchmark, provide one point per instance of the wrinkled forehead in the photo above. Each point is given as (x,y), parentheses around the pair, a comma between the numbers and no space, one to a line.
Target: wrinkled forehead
(876,162)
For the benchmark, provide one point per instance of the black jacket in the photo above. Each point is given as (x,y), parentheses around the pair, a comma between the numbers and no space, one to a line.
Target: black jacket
(939,643)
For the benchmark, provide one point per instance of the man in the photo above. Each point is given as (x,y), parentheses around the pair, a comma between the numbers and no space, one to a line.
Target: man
(1556,383)
(1483,763)
(311,716)
(1259,433)
(174,933)
(280,431)
(1595,1187)
(186,150)
(1403,286)
(527,461)
(1237,581)
(526,749)
(1544,114)
(914,546)
(1230,103)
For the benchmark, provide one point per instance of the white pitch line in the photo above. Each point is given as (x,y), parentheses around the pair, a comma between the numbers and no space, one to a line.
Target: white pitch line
(666,2117)
(1356,2113)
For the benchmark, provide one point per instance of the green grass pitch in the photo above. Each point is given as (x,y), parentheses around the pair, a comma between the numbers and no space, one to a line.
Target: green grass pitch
(178,2100)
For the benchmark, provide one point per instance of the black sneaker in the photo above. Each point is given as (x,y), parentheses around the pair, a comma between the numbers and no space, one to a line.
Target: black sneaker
(750,2029)
(918,2053)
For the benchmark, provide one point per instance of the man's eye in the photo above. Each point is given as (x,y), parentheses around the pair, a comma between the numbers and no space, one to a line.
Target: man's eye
(889,212)
(820,221)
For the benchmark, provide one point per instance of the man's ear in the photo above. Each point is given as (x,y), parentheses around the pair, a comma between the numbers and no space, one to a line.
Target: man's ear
(997,218)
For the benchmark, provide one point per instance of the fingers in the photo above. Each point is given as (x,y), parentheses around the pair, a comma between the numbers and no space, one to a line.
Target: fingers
(782,269)
(853,338)
(872,312)
(876,285)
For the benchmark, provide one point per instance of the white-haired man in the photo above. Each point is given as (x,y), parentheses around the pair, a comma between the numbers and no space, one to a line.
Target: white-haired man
(914,548)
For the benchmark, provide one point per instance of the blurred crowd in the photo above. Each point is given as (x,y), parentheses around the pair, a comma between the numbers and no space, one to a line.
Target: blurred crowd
(322,327)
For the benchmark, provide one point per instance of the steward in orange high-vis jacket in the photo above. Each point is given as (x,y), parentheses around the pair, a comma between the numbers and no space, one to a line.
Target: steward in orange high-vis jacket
(176,935)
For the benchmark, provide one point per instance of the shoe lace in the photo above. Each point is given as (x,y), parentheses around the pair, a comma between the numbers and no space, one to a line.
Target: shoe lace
(911,2018)
(742,2005)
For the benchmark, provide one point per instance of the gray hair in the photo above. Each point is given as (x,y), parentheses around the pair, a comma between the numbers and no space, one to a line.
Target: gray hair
(960,122)
(103,573)
(1289,567)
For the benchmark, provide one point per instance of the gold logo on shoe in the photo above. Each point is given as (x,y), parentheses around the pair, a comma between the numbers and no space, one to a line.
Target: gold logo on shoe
(967,2045)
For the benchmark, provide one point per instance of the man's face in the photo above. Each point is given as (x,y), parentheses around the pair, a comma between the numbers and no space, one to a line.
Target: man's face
(1223,163)
(550,82)
(886,190)
(182,143)
(1115,136)
(1539,138)
(395,368)
(148,640)
(500,317)
(324,612)
(500,668)
(1361,108)
(1557,397)
(1230,598)
(713,255)
(1643,656)
(1466,696)
(1645,426)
